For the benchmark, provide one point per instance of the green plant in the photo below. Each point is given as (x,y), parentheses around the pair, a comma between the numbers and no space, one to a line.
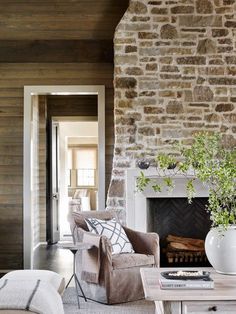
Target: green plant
(208,161)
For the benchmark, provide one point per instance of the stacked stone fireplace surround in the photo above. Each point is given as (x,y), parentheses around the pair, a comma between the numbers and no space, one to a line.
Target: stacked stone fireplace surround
(174,75)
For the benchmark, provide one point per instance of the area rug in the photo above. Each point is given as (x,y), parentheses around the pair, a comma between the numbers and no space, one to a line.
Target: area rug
(90,307)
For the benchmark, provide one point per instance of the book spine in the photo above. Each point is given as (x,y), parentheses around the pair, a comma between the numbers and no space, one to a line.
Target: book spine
(202,285)
(187,286)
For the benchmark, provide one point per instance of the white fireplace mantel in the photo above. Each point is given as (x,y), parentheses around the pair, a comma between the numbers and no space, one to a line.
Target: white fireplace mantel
(136,202)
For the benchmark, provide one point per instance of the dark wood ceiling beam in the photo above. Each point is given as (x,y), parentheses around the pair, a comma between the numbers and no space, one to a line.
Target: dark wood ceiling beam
(48,51)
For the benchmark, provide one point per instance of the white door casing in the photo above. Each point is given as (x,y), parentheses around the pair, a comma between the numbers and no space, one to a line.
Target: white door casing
(98,90)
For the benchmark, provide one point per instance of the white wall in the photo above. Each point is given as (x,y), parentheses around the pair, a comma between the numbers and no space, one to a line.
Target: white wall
(80,129)
(82,140)
(82,132)
(35,172)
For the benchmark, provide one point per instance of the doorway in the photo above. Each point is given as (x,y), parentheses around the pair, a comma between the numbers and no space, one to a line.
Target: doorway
(29,156)
(73,171)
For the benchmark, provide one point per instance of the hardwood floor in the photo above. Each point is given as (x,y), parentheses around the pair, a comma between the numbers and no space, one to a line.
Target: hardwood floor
(51,257)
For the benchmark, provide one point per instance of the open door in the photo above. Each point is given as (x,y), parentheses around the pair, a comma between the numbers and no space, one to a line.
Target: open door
(53,230)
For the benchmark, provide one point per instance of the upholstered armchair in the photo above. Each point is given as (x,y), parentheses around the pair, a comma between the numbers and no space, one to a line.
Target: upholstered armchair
(119,277)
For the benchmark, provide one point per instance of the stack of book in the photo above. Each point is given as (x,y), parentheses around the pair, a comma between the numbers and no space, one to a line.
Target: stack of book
(173,282)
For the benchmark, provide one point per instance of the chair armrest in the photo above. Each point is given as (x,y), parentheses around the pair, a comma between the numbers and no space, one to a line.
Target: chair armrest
(95,263)
(104,249)
(145,243)
(105,243)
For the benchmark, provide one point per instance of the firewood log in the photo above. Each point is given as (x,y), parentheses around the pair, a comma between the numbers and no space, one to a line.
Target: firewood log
(190,241)
(177,246)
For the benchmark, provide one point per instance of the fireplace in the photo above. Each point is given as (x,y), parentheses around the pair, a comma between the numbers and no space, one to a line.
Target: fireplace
(178,218)
(169,213)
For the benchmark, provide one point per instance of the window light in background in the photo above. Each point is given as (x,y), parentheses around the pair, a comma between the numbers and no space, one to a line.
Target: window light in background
(86,165)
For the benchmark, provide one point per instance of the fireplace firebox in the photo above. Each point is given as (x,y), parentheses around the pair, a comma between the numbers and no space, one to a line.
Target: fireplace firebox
(175,220)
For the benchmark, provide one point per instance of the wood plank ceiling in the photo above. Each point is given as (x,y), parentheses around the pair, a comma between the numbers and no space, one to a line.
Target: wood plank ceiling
(60,19)
(42,42)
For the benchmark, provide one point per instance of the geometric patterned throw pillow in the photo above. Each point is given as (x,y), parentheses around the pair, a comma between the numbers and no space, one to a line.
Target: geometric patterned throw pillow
(113,231)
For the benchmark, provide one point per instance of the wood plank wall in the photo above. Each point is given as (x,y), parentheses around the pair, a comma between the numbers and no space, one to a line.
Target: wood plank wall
(12,80)
(59,42)
(11,177)
(73,105)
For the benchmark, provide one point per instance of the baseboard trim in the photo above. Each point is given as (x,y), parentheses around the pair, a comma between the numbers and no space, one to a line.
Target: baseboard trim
(40,243)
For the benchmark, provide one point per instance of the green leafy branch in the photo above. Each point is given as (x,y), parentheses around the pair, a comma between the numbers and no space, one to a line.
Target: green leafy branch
(142,182)
(212,164)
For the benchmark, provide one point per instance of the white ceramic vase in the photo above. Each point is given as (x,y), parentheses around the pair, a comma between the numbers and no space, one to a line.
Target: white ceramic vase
(220,246)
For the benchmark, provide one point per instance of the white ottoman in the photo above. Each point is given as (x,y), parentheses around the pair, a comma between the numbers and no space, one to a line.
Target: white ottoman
(56,280)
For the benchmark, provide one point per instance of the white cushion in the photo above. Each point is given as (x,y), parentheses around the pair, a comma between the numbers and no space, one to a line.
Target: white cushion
(81,193)
(113,231)
(56,280)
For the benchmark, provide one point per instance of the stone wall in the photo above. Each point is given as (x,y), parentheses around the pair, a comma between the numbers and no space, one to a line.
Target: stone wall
(175,74)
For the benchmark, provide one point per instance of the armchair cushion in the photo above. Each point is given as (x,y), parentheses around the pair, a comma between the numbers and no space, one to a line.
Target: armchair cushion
(113,231)
(121,261)
(79,217)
